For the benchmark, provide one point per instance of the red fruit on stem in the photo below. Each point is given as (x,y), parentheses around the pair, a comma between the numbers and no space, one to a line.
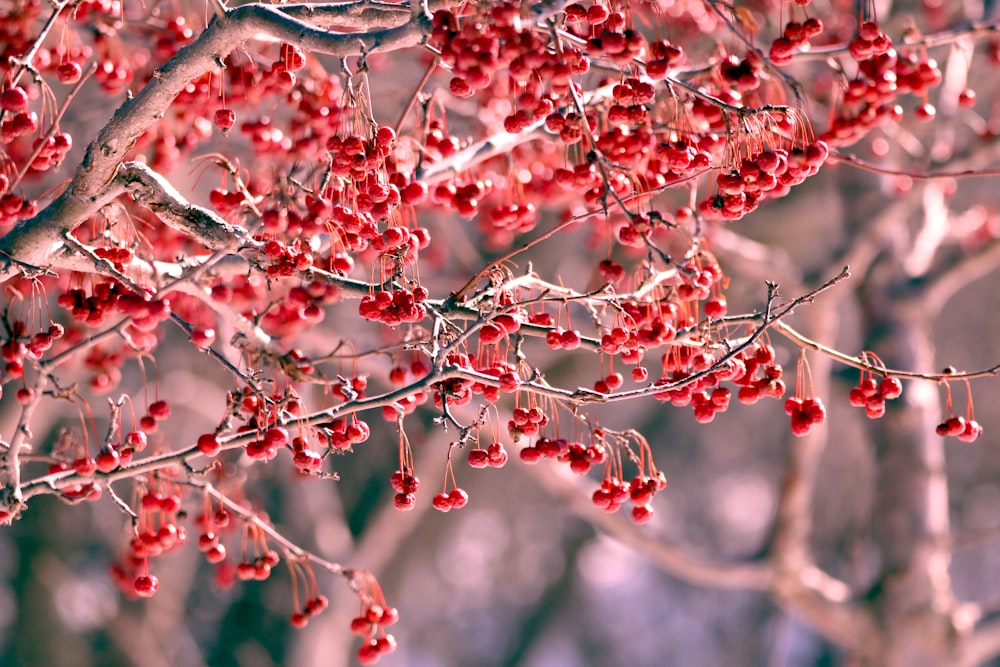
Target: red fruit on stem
(145,585)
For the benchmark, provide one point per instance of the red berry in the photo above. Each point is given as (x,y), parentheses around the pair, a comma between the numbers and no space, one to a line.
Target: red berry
(369,654)
(857,397)
(216,554)
(458,498)
(716,307)
(479,458)
(85,465)
(386,644)
(207,541)
(203,338)
(208,444)
(442,502)
(145,585)
(107,460)
(955,425)
(14,99)
(136,440)
(971,432)
(642,514)
(159,409)
(69,72)
(404,502)
(530,455)
(225,119)
(925,111)
(890,388)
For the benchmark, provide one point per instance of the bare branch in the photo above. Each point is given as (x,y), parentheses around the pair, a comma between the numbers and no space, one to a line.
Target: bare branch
(952,277)
(149,188)
(749,575)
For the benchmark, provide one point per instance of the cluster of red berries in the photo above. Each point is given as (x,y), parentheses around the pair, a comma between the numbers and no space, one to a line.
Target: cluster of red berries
(771,173)
(617,340)
(146,313)
(105,363)
(117,255)
(394,307)
(563,339)
(116,454)
(795,35)
(356,156)
(570,127)
(313,607)
(114,73)
(637,231)
(612,39)
(707,403)
(345,433)
(743,75)
(629,141)
(212,524)
(94,308)
(663,56)
(870,41)
(266,447)
(609,383)
(209,544)
(544,447)
(14,207)
(286,260)
(370,625)
(870,99)
(15,350)
(17,119)
(259,567)
(754,371)
(454,499)
(872,395)
(157,533)
(502,326)
(526,422)
(581,457)
(406,485)
(303,306)
(74,456)
(805,413)
(226,201)
(51,151)
(965,429)
(757,374)
(493,456)
(471,50)
(463,198)
(512,218)
(158,411)
(613,493)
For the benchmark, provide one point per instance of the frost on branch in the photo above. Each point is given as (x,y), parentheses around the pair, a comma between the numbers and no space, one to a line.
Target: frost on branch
(368,218)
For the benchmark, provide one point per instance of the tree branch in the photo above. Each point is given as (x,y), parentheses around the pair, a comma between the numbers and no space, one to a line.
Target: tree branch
(748,575)
(949,278)
(152,190)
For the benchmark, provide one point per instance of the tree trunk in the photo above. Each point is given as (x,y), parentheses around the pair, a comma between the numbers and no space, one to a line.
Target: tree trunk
(912,596)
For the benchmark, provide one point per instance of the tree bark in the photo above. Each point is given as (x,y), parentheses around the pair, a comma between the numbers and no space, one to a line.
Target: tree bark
(912,596)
